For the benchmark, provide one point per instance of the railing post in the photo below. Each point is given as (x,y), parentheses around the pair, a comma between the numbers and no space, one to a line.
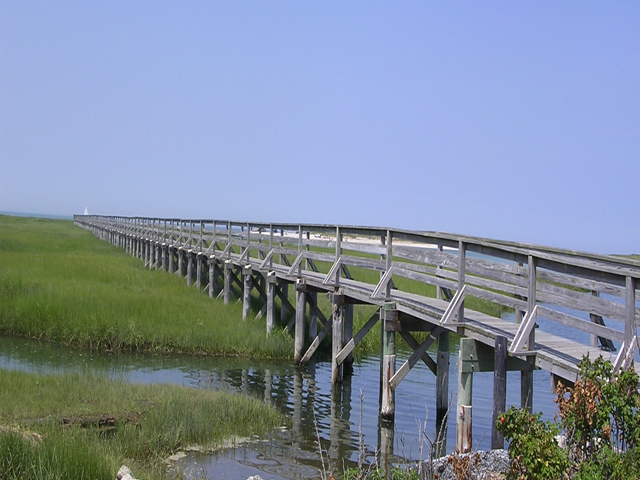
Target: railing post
(526,376)
(438,269)
(338,254)
(630,312)
(389,261)
(462,259)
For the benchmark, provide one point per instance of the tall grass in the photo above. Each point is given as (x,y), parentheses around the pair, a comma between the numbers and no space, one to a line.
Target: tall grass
(147,423)
(59,283)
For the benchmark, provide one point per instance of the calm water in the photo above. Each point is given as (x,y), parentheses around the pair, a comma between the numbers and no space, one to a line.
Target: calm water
(303,394)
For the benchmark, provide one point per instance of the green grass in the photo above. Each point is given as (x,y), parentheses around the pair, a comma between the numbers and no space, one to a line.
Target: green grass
(147,423)
(61,284)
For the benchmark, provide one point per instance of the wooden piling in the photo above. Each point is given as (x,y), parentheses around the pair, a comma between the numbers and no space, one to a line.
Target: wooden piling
(442,394)
(499,389)
(271,300)
(464,408)
(301,306)
(199,271)
(391,324)
(246,295)
(313,317)
(228,265)
(180,253)
(284,288)
(212,277)
(172,263)
(189,268)
(348,335)
(337,300)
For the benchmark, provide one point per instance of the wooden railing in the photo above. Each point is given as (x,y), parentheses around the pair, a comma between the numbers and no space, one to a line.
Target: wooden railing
(595,294)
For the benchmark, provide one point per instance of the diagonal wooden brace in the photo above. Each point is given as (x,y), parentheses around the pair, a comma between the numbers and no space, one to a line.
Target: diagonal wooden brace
(522,335)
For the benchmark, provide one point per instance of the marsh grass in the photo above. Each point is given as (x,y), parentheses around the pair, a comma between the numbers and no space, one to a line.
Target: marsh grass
(148,423)
(59,283)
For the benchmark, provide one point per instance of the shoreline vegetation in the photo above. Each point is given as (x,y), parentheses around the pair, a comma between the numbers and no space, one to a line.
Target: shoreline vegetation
(87,426)
(59,283)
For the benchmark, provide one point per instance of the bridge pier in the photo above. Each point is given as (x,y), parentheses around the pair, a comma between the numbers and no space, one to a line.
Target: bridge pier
(156,264)
(347,368)
(180,253)
(271,300)
(199,271)
(214,275)
(338,302)
(246,295)
(313,316)
(284,288)
(189,268)
(464,398)
(442,394)
(172,263)
(301,306)
(390,324)
(228,266)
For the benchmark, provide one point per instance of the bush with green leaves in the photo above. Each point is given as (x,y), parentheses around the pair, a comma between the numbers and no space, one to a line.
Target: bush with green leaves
(533,449)
(600,422)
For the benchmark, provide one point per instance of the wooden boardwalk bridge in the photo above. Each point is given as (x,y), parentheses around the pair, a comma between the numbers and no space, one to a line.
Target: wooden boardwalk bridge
(420,282)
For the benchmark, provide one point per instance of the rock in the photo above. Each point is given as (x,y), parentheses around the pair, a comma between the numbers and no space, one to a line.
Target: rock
(481,465)
(124,474)
(176,456)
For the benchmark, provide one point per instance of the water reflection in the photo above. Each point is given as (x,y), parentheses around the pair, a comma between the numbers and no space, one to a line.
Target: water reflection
(345,423)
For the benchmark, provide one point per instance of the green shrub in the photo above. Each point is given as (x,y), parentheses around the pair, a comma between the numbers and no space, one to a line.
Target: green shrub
(600,421)
(532,446)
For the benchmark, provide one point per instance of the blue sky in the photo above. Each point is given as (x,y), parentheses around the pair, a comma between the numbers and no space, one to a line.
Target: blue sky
(510,120)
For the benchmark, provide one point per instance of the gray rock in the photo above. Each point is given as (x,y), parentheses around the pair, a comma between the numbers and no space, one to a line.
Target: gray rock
(124,474)
(482,465)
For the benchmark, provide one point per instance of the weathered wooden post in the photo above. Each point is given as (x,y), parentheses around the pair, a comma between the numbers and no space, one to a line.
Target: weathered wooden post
(348,335)
(189,268)
(499,389)
(172,263)
(337,300)
(391,324)
(284,288)
(214,273)
(246,296)
(301,306)
(465,390)
(526,375)
(386,439)
(271,300)
(228,266)
(199,271)
(462,257)
(180,253)
(313,317)
(442,394)
(151,254)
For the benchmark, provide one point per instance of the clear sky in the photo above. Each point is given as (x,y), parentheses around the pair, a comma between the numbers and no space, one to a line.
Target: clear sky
(510,120)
